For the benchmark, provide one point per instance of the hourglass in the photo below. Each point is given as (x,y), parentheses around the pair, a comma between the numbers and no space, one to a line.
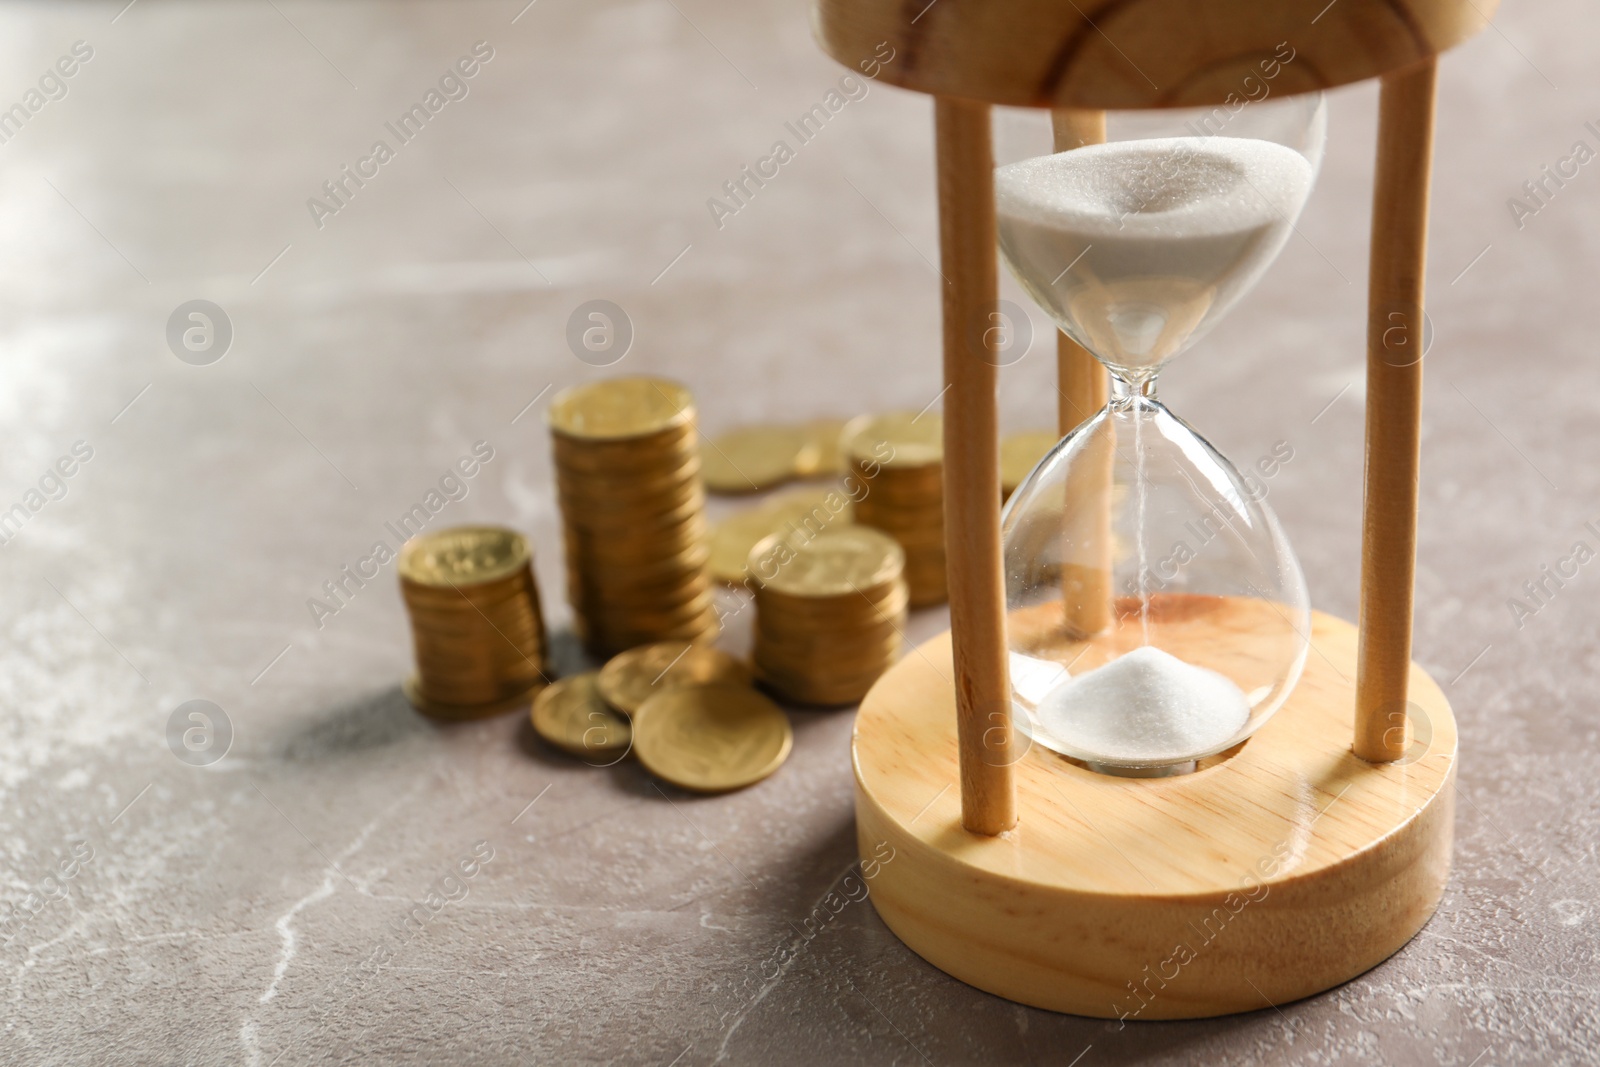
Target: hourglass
(1155,612)
(1140,778)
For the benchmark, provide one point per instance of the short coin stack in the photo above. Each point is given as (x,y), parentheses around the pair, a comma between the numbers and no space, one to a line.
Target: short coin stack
(830,612)
(899,460)
(475,621)
(633,508)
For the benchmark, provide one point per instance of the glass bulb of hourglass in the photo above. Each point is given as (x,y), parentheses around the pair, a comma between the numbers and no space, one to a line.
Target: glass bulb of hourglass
(1155,611)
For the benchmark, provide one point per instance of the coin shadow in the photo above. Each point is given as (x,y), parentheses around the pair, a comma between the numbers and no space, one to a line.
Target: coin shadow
(536,749)
(567,656)
(374,721)
(626,775)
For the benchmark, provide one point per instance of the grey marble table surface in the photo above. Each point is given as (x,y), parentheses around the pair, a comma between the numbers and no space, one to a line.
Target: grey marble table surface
(166,524)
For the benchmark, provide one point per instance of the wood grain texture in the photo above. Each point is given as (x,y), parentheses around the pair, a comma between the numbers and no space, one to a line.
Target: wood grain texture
(1139,53)
(1082,388)
(1394,407)
(967,255)
(1276,873)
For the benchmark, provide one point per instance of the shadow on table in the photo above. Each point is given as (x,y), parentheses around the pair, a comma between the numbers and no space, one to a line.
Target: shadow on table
(373,721)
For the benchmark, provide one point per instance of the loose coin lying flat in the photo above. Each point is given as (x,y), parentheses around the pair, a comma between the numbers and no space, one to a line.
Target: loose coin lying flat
(634,676)
(570,715)
(826,459)
(753,458)
(711,738)
(731,541)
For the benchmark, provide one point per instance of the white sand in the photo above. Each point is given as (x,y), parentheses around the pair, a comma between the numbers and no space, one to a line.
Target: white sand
(1168,187)
(1136,247)
(1146,705)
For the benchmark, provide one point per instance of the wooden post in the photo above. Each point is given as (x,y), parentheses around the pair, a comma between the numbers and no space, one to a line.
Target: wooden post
(1394,409)
(972,464)
(1082,388)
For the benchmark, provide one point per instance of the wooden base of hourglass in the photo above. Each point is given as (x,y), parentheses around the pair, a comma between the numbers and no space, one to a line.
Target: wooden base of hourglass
(1279,871)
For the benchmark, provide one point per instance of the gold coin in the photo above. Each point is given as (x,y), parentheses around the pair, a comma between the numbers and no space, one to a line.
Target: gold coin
(637,674)
(457,711)
(673,442)
(899,439)
(734,537)
(921,530)
(711,738)
(839,560)
(570,715)
(651,620)
(902,488)
(819,672)
(656,457)
(753,458)
(782,614)
(655,579)
(825,460)
(602,639)
(463,555)
(619,408)
(859,637)
(627,488)
(1019,453)
(820,695)
(683,548)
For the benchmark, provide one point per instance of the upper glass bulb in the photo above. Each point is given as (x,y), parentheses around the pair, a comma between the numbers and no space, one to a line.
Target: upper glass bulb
(1156,614)
(1136,247)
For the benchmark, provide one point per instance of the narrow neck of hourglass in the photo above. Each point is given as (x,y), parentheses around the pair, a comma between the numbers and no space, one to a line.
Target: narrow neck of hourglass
(1125,391)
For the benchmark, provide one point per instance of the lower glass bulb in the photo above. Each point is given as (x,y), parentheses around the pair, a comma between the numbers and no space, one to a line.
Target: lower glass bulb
(1155,612)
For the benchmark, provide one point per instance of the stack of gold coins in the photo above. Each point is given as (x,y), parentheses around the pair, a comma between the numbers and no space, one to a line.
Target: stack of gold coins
(830,612)
(475,621)
(898,461)
(633,508)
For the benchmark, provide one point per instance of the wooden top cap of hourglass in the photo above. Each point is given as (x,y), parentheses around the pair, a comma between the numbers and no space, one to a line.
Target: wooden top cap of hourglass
(1107,54)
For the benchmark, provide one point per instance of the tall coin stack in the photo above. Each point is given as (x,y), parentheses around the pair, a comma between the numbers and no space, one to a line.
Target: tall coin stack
(633,509)
(475,621)
(898,460)
(830,612)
